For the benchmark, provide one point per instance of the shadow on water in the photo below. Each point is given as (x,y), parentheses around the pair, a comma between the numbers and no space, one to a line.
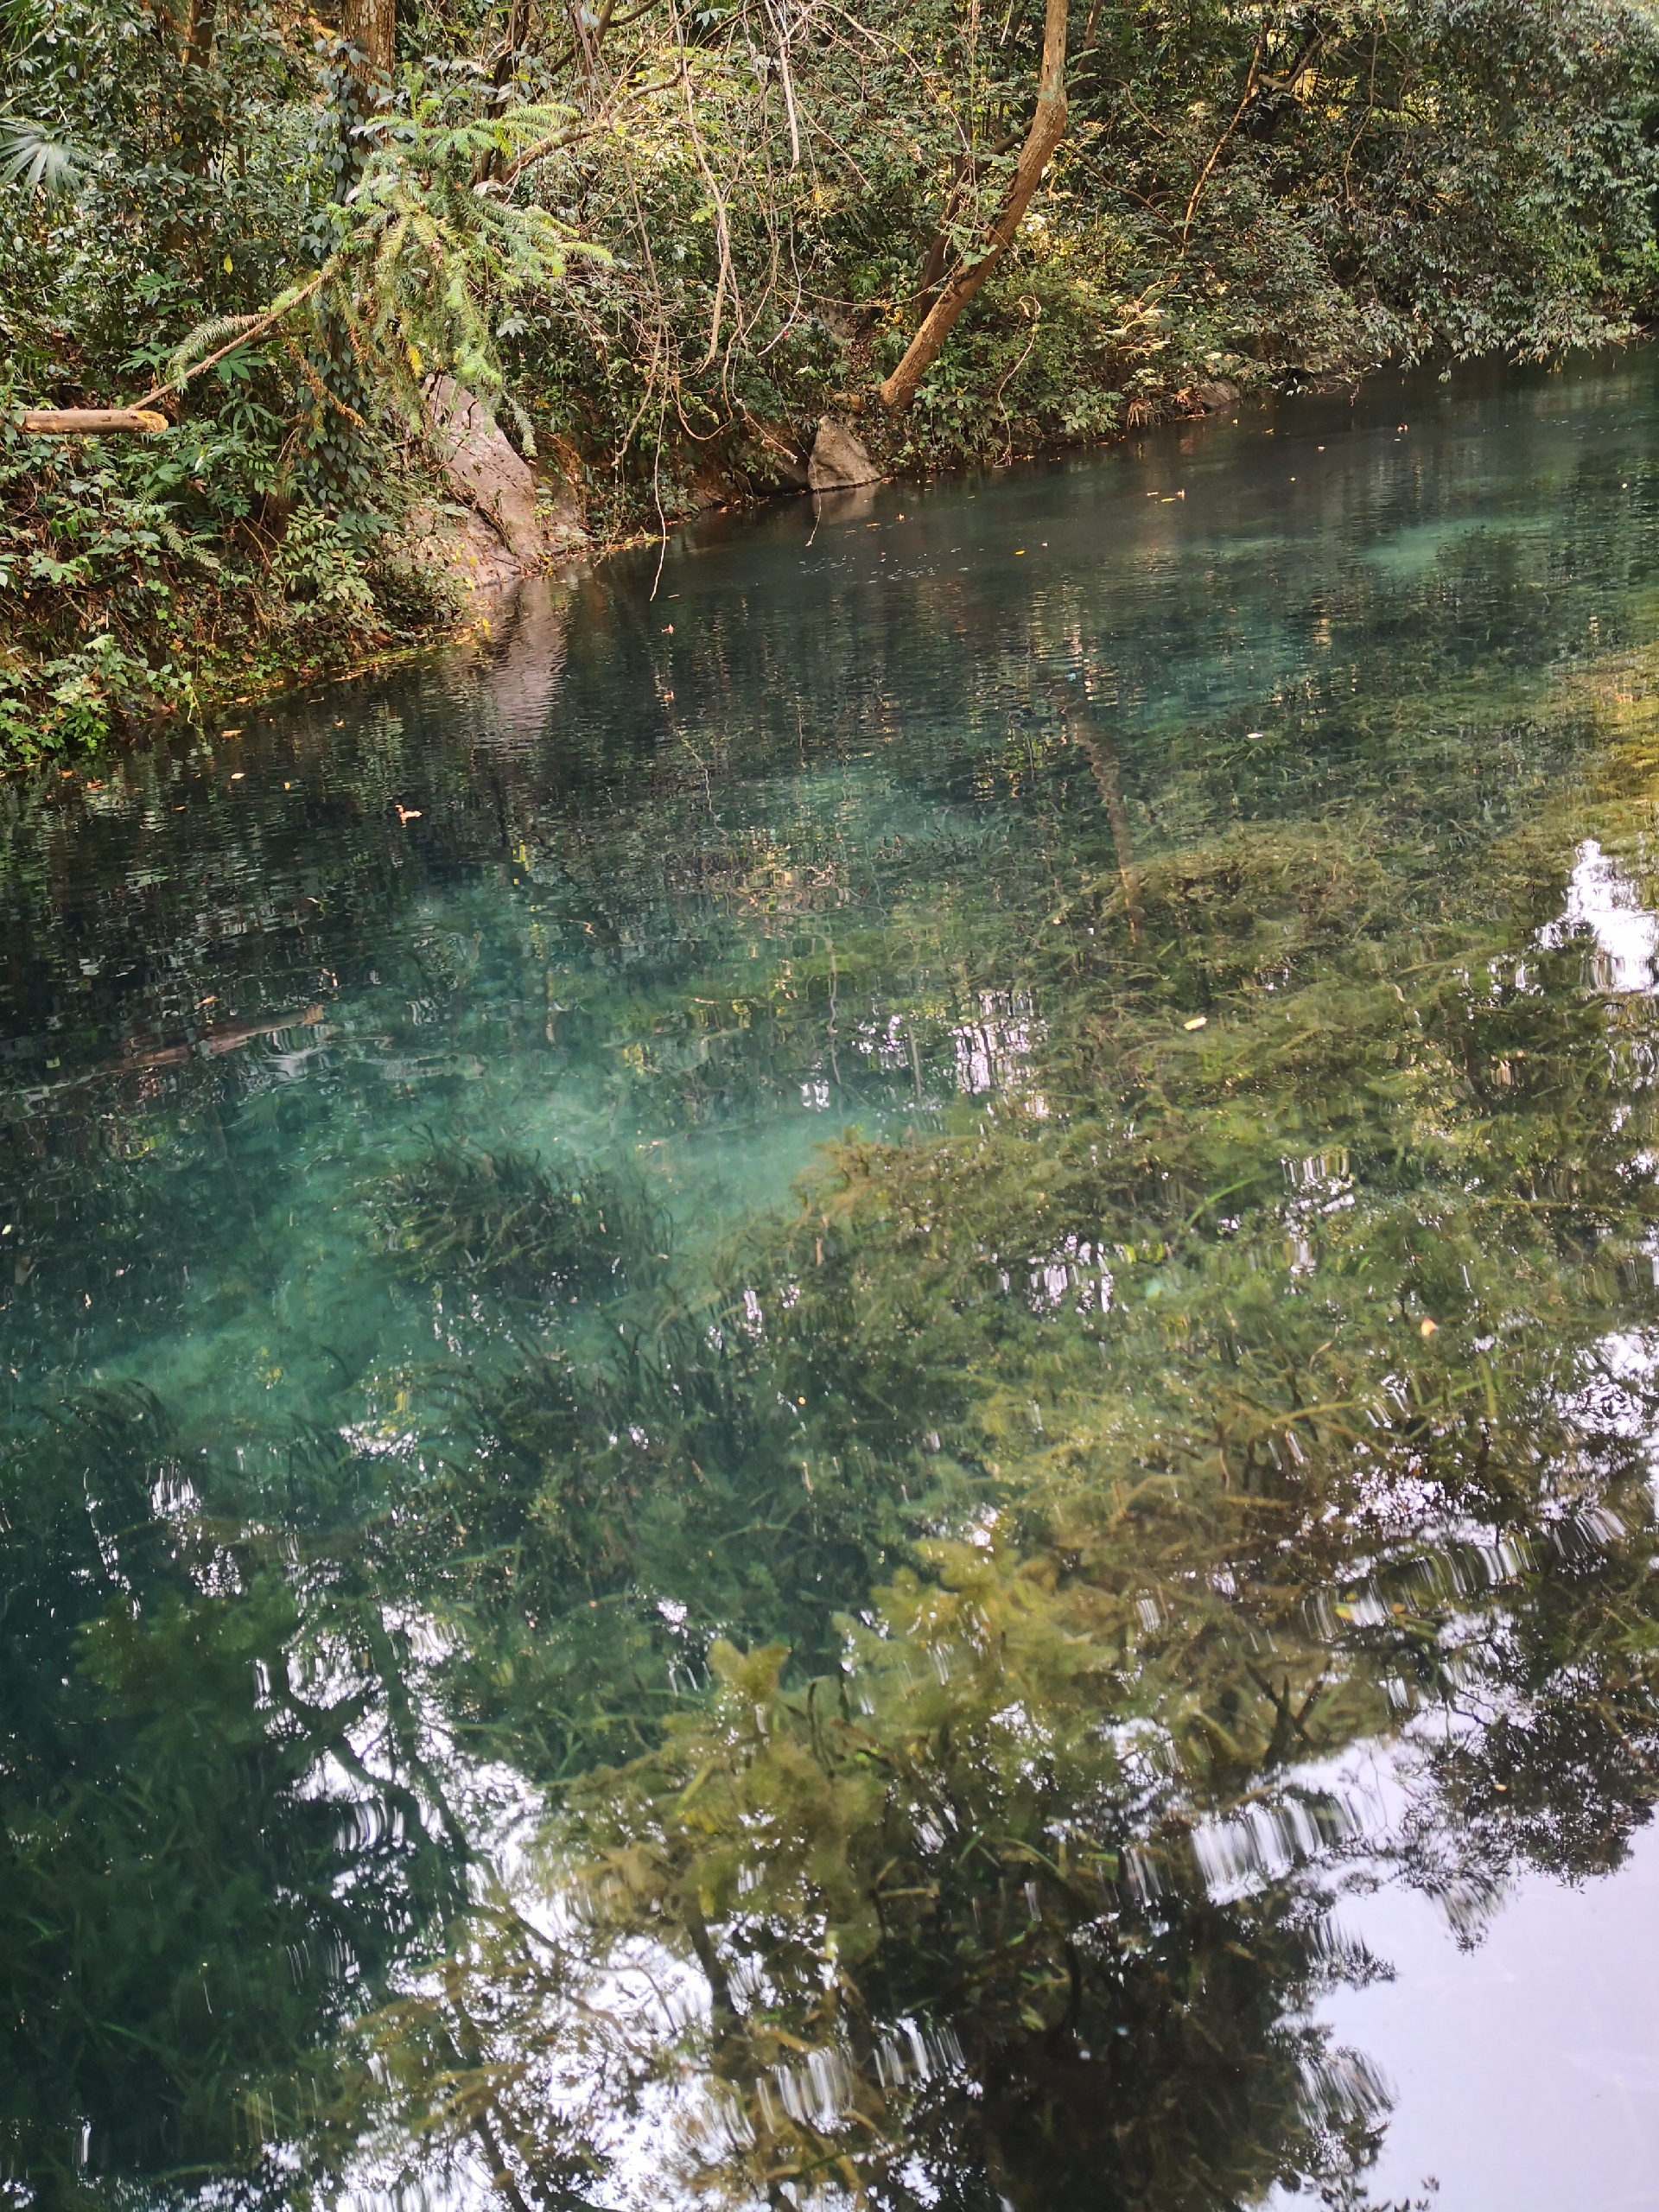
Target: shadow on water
(789,1372)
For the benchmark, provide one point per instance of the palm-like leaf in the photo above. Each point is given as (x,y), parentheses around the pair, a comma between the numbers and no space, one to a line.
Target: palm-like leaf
(34,159)
(202,341)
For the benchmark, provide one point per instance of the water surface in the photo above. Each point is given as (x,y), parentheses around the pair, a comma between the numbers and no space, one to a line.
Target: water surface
(840,1379)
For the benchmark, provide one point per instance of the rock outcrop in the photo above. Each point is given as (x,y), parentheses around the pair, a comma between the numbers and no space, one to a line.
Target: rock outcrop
(839,460)
(463,547)
(483,469)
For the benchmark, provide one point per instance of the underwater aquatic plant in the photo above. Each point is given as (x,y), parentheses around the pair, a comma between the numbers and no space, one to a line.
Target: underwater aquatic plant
(501,1221)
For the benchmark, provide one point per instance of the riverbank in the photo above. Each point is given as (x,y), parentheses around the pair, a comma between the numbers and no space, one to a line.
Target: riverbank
(176,631)
(656,254)
(319,600)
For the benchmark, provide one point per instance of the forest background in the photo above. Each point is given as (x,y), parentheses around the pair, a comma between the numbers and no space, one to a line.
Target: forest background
(660,241)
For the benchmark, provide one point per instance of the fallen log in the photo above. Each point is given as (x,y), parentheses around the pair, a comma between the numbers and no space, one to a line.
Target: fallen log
(87,422)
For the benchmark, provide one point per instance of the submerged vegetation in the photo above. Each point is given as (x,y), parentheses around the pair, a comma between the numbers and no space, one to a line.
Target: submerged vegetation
(855,1699)
(660,245)
(502,1220)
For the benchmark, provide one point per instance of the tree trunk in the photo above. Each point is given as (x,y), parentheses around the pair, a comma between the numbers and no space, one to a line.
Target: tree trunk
(199,35)
(1047,129)
(938,254)
(371,27)
(494,163)
(517,39)
(588,38)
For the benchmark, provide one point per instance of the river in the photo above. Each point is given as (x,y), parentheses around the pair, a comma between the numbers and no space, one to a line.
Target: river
(843,1375)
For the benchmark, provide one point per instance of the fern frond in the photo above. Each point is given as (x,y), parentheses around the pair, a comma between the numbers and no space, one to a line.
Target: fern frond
(203,339)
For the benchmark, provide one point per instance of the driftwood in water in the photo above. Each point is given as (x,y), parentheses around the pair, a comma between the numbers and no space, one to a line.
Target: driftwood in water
(87,422)
(208,1043)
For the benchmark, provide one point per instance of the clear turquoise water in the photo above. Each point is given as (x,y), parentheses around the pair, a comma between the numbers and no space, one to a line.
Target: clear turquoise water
(607,919)
(834,825)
